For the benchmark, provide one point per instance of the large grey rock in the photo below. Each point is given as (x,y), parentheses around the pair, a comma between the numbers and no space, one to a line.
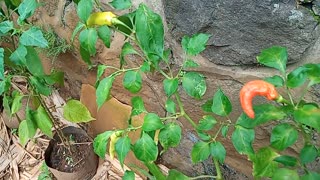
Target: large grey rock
(241,29)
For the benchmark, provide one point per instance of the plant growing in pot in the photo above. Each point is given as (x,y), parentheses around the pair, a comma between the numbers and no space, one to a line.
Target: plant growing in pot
(19,59)
(290,117)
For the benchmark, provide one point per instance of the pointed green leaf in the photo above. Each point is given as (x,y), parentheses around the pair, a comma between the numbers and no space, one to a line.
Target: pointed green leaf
(189,63)
(283,136)
(6,26)
(56,77)
(242,139)
(103,90)
(200,152)
(122,148)
(128,175)
(276,80)
(132,81)
(127,49)
(40,85)
(76,30)
(170,136)
(285,174)
(1,64)
(313,73)
(224,130)
(263,164)
(100,143)
(311,176)
(204,136)
(145,67)
(137,106)
(206,123)
(170,106)
(206,107)
(88,39)
(196,44)
(75,111)
(121,4)
(194,84)
(275,57)
(170,86)
(287,160)
(145,149)
(18,57)
(308,115)
(104,34)
(43,121)
(308,154)
(26,9)
(31,121)
(218,151)
(23,132)
(33,62)
(16,103)
(221,104)
(296,77)
(84,9)
(33,37)
(152,122)
(85,55)
(175,175)
(149,31)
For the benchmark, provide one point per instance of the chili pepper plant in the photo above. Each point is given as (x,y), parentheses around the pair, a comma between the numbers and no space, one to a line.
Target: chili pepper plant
(292,117)
(19,59)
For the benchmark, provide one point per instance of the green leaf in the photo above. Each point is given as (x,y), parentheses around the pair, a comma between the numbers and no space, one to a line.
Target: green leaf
(84,9)
(313,73)
(43,121)
(224,130)
(56,77)
(100,143)
(283,136)
(127,49)
(221,104)
(137,106)
(100,71)
(6,26)
(23,133)
(275,57)
(152,122)
(170,106)
(122,148)
(189,63)
(196,44)
(33,37)
(33,62)
(16,103)
(308,115)
(311,176)
(170,86)
(145,149)
(175,175)
(206,123)
(121,4)
(170,136)
(194,84)
(149,31)
(103,90)
(308,154)
(76,30)
(75,111)
(218,151)
(85,55)
(166,54)
(200,152)
(263,113)
(242,139)
(263,164)
(18,57)
(276,80)
(1,64)
(286,160)
(40,85)
(128,175)
(285,174)
(104,34)
(31,121)
(204,136)
(132,81)
(206,107)
(88,39)
(145,67)
(26,9)
(297,77)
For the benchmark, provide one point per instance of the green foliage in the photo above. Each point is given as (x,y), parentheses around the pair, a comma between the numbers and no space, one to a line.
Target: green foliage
(121,4)
(137,106)
(45,173)
(33,37)
(103,90)
(195,45)
(122,148)
(170,135)
(170,86)
(100,143)
(75,111)
(275,57)
(132,81)
(128,175)
(242,139)
(206,123)
(283,136)
(221,104)
(152,122)
(200,151)
(194,84)
(218,151)
(84,9)
(263,164)
(145,149)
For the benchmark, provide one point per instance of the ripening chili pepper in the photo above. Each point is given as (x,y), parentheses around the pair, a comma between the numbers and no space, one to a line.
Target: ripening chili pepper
(101,18)
(256,88)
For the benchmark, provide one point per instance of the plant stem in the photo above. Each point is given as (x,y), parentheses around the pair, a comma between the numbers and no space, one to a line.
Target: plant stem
(303,93)
(203,176)
(217,166)
(183,113)
(154,169)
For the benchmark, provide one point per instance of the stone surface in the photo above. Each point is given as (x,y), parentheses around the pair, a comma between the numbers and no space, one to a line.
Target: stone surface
(241,29)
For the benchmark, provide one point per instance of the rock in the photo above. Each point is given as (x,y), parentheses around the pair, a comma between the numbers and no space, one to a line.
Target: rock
(241,29)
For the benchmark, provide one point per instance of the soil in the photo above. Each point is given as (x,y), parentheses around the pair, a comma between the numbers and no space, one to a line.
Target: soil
(62,160)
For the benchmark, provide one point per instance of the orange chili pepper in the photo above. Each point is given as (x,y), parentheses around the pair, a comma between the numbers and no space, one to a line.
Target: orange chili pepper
(256,88)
